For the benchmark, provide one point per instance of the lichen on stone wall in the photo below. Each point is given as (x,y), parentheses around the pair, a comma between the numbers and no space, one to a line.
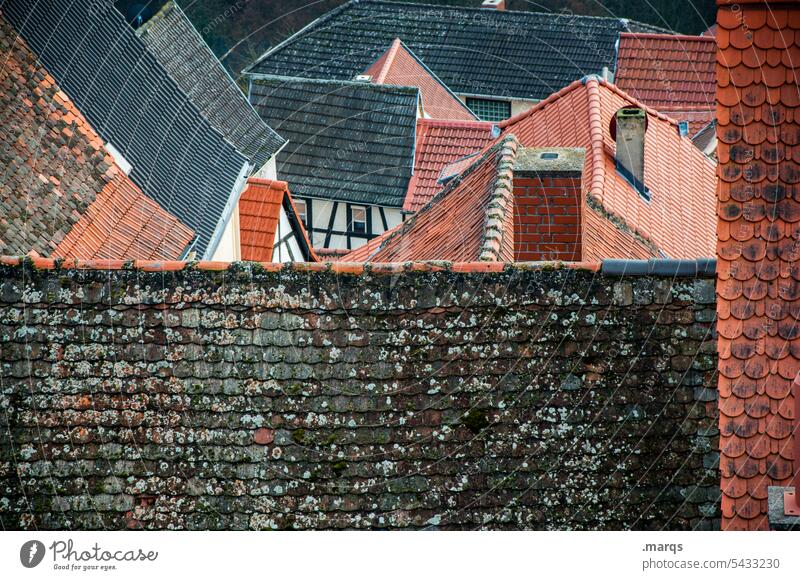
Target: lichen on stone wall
(248,399)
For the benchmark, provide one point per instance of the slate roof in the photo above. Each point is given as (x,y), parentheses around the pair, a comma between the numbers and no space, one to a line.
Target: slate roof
(399,66)
(679,218)
(347,141)
(259,218)
(61,192)
(180,49)
(706,138)
(473,51)
(440,143)
(179,160)
(758,282)
(672,73)
(472,219)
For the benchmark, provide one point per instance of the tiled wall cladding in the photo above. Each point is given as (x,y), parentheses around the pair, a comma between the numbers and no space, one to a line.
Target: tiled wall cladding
(248,399)
(758,268)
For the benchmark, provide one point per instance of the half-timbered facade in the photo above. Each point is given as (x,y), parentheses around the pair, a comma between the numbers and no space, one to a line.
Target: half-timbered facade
(349,155)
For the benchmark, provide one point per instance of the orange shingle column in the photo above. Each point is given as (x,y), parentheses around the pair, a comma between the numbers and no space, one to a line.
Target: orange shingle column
(758,249)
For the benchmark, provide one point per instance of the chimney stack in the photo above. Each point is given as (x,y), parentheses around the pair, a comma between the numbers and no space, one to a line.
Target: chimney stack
(758,257)
(548,204)
(631,124)
(494,4)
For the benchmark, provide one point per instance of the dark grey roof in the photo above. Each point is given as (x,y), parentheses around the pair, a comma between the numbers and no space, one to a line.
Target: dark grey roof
(178,158)
(180,49)
(474,51)
(347,141)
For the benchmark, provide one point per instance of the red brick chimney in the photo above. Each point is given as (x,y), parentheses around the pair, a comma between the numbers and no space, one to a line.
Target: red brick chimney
(758,250)
(547,204)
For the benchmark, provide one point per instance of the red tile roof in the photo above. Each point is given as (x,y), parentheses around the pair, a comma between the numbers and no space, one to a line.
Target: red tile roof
(758,282)
(438,144)
(472,219)
(678,220)
(259,217)
(123,222)
(399,66)
(62,193)
(605,235)
(673,74)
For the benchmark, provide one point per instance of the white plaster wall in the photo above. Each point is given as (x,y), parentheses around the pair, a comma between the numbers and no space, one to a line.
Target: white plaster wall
(229,248)
(321,212)
(281,251)
(268,171)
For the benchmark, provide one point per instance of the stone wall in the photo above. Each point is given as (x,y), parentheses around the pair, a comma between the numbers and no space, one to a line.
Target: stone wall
(312,398)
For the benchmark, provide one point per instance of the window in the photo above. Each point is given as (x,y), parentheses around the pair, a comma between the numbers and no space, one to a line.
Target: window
(358,219)
(300,206)
(489,109)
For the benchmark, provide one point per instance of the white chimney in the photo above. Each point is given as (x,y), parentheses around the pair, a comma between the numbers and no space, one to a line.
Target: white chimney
(631,126)
(494,4)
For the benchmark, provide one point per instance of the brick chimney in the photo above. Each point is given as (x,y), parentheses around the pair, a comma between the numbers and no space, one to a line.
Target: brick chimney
(493,4)
(758,253)
(547,204)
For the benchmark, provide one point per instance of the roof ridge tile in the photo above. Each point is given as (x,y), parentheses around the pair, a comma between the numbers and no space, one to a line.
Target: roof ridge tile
(596,131)
(501,206)
(356,268)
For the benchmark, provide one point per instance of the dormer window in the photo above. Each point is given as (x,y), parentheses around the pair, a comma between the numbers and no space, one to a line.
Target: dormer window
(490,109)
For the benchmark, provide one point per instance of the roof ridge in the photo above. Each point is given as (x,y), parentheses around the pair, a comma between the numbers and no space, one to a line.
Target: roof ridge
(300,33)
(390,53)
(542,104)
(401,228)
(501,204)
(348,268)
(596,139)
(344,83)
(621,223)
(666,36)
(576,84)
(278,183)
(625,95)
(159,15)
(501,12)
(455,123)
(172,6)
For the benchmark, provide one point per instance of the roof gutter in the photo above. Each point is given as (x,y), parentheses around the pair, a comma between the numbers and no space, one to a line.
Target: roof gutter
(697,268)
